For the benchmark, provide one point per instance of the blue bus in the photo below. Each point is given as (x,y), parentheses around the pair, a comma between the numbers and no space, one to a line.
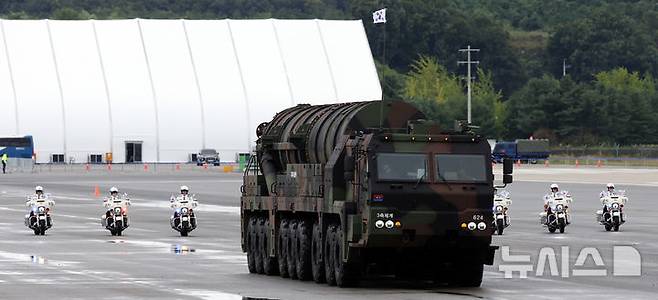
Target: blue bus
(17,147)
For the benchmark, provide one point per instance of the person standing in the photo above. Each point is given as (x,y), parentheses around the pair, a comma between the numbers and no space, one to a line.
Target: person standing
(4,162)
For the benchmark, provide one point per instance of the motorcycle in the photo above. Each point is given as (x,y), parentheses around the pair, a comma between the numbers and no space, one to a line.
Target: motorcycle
(557,215)
(183,219)
(612,215)
(116,218)
(502,202)
(39,219)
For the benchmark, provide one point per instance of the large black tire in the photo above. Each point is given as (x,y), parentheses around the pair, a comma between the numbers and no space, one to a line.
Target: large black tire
(500,225)
(292,249)
(317,265)
(346,275)
(270,264)
(469,274)
(330,236)
(258,255)
(303,263)
(282,249)
(251,259)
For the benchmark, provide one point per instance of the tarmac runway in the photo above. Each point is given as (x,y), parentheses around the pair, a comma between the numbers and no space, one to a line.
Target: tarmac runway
(78,259)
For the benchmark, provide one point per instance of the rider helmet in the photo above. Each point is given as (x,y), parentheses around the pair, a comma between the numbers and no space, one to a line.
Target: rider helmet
(610,186)
(38,189)
(554,187)
(184,189)
(114,190)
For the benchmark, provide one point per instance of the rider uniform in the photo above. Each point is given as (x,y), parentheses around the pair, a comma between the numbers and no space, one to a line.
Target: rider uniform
(39,195)
(184,196)
(548,200)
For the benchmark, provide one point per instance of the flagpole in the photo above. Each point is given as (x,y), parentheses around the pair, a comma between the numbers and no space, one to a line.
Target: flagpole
(383,81)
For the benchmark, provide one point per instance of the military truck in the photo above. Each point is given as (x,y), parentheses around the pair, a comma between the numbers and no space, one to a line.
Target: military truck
(336,192)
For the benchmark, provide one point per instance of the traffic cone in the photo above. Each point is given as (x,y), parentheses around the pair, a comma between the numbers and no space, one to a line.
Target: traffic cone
(518,162)
(177,167)
(577,163)
(205,166)
(97,192)
(598,163)
(87,167)
(546,163)
(146,167)
(109,167)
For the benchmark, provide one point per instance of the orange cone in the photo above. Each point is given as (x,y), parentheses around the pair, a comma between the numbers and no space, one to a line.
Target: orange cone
(598,163)
(97,192)
(146,167)
(87,167)
(546,163)
(577,163)
(177,167)
(518,162)
(109,167)
(205,166)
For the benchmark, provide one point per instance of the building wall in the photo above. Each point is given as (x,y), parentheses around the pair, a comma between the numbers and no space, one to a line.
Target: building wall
(176,86)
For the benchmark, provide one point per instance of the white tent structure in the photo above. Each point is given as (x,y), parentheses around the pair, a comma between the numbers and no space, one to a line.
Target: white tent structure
(170,87)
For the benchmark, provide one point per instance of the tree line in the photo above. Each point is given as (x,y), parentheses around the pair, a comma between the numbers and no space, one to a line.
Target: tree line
(609,49)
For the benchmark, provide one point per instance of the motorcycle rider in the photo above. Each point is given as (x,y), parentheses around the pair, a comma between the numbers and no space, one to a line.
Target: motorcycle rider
(548,201)
(610,191)
(38,194)
(184,196)
(107,202)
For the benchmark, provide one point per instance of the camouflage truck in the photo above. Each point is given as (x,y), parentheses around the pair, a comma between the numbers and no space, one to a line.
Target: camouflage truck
(336,192)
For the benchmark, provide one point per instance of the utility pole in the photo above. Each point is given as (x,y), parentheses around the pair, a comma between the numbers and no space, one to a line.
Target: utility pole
(468,62)
(565,67)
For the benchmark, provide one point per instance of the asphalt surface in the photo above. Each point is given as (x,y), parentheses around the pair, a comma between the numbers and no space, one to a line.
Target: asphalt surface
(78,259)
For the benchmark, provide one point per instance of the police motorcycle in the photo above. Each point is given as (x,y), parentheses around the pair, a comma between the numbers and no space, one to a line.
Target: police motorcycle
(40,206)
(183,219)
(612,215)
(501,205)
(115,218)
(556,216)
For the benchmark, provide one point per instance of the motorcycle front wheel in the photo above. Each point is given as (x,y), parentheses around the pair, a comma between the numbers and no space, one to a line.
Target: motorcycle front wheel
(183,233)
(500,225)
(551,229)
(608,227)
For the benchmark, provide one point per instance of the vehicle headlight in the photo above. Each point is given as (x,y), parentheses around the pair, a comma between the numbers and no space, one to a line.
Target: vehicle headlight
(41,209)
(615,205)
(482,226)
(117,210)
(389,224)
(379,224)
(472,226)
(559,207)
(499,208)
(184,210)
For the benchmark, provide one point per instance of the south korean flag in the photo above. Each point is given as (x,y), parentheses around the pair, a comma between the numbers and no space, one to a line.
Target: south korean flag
(379,16)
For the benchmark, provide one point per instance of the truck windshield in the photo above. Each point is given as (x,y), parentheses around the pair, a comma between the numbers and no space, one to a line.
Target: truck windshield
(461,167)
(402,167)
(208,152)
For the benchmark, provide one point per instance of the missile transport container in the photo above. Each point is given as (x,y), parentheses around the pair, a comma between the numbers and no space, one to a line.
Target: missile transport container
(336,192)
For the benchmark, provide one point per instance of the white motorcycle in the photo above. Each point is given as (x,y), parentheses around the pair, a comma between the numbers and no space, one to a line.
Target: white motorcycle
(612,215)
(38,219)
(183,219)
(557,215)
(115,218)
(501,205)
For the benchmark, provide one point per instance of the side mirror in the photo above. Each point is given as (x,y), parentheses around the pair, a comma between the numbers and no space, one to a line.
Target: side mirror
(507,178)
(508,166)
(348,167)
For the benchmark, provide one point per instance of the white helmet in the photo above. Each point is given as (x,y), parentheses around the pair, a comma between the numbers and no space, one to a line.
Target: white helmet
(114,190)
(184,188)
(554,186)
(610,185)
(38,189)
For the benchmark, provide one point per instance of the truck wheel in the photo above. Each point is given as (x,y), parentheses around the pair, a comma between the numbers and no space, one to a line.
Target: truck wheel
(282,249)
(251,260)
(303,262)
(469,274)
(292,249)
(317,265)
(258,255)
(329,273)
(270,263)
(346,274)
